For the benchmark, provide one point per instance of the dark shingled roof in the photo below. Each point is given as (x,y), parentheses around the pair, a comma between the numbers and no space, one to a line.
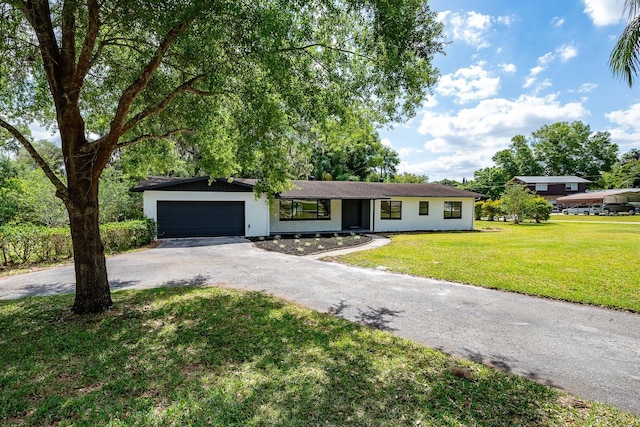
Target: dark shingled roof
(369,190)
(327,189)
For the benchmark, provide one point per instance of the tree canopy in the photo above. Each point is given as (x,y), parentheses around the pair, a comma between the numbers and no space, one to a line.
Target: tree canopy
(238,80)
(351,149)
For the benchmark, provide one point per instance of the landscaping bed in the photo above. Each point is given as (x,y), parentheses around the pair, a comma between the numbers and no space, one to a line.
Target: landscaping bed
(308,244)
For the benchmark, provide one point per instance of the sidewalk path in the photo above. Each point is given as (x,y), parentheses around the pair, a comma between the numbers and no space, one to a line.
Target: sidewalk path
(591,352)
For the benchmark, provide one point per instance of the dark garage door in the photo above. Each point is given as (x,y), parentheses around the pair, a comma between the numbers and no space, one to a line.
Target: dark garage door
(200,219)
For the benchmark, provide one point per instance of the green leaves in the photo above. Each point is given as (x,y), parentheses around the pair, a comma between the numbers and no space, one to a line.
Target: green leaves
(624,61)
(253,69)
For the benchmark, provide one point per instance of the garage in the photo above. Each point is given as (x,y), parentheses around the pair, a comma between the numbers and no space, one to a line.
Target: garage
(200,218)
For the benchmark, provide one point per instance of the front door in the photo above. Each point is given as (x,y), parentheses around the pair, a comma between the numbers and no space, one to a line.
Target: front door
(355,214)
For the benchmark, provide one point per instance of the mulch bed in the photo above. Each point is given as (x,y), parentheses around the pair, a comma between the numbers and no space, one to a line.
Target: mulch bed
(308,244)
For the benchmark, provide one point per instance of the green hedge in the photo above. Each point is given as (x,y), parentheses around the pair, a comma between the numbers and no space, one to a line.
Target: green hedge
(28,243)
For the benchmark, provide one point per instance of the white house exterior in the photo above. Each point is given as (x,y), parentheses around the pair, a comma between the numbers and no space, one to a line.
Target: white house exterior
(193,207)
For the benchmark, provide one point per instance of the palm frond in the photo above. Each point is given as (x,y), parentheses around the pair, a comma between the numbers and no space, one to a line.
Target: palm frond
(624,60)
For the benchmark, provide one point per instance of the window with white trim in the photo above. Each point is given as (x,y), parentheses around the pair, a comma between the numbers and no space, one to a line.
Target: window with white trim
(542,187)
(571,186)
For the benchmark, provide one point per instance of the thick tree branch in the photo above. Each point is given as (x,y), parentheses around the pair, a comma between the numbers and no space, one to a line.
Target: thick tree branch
(39,16)
(161,106)
(68,51)
(148,137)
(61,189)
(84,60)
(140,83)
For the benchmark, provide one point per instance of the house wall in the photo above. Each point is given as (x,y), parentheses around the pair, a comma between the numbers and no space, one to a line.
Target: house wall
(557,189)
(256,212)
(305,226)
(412,221)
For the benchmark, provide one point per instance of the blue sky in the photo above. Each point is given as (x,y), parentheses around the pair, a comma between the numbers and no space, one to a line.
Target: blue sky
(513,66)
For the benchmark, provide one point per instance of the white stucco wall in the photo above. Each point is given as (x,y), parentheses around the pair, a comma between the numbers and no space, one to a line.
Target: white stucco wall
(304,226)
(256,212)
(412,221)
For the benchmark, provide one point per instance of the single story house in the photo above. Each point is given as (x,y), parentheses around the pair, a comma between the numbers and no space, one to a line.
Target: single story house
(552,187)
(195,207)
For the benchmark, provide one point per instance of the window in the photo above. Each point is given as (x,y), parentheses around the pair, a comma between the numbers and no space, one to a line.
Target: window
(424,208)
(571,186)
(452,210)
(542,187)
(390,209)
(305,209)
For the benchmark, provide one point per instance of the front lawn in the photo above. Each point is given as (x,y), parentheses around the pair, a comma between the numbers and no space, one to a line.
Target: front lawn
(593,262)
(210,356)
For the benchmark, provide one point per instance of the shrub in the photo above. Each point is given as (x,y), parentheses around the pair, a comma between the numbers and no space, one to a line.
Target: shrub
(25,243)
(122,236)
(491,209)
(538,209)
(28,242)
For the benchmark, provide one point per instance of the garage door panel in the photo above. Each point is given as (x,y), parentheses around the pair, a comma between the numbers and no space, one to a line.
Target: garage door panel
(200,219)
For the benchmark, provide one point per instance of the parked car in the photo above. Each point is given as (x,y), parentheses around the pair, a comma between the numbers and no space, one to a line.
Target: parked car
(608,208)
(583,209)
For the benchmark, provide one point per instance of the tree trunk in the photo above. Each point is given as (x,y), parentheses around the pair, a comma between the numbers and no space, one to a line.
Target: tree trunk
(92,286)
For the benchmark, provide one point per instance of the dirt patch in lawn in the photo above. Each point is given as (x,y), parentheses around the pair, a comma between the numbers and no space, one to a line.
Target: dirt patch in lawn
(308,244)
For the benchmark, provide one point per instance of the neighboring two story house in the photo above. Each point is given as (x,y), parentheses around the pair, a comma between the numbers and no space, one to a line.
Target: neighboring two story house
(552,187)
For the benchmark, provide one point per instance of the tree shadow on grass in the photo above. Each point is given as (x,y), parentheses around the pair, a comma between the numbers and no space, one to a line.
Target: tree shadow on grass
(196,356)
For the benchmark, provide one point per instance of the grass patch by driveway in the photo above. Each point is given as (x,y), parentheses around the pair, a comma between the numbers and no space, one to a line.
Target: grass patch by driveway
(588,262)
(209,356)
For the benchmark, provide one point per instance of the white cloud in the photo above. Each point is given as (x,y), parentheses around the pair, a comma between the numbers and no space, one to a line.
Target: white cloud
(557,22)
(406,152)
(564,52)
(629,118)
(505,20)
(567,52)
(529,82)
(546,58)
(586,87)
(509,68)
(469,84)
(536,70)
(626,130)
(471,27)
(466,140)
(604,12)
(386,142)
(456,166)
(430,102)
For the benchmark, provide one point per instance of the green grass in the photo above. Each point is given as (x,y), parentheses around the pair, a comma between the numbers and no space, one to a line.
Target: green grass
(209,356)
(588,262)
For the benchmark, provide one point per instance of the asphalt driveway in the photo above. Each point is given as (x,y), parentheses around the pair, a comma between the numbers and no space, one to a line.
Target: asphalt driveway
(590,352)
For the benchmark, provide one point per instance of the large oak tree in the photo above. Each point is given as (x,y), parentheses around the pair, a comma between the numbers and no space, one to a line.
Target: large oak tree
(232,77)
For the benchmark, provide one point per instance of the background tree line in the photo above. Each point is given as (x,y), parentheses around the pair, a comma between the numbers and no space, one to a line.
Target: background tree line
(561,148)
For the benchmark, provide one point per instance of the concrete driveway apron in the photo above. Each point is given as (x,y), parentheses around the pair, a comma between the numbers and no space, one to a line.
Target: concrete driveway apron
(591,352)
